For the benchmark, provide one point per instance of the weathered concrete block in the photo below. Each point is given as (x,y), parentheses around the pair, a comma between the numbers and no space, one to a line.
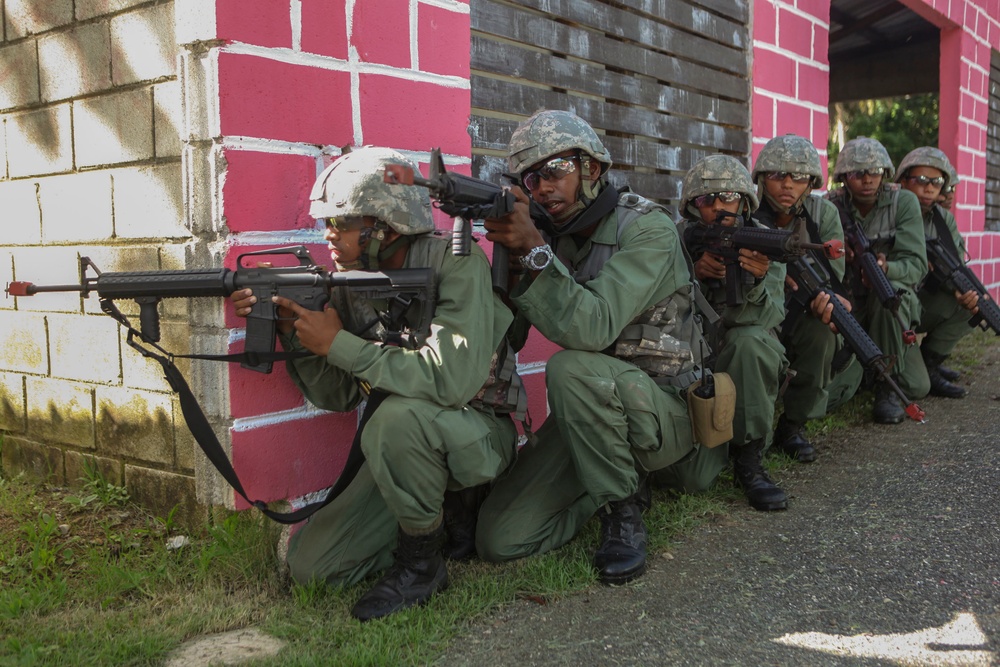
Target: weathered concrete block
(84,348)
(18,74)
(43,462)
(12,408)
(195,21)
(162,491)
(86,9)
(22,213)
(148,202)
(78,466)
(141,373)
(22,343)
(75,62)
(76,208)
(49,265)
(39,142)
(167,119)
(142,45)
(115,128)
(30,17)
(3,148)
(134,424)
(120,259)
(185,447)
(60,411)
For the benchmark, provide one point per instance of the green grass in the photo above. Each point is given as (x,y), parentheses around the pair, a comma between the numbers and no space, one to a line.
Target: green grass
(87,578)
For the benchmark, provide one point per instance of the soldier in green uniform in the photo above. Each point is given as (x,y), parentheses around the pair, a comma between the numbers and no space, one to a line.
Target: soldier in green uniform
(890,218)
(945,313)
(443,425)
(607,280)
(719,190)
(786,171)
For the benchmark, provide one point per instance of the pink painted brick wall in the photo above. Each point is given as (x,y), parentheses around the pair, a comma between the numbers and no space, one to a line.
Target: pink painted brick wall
(286,108)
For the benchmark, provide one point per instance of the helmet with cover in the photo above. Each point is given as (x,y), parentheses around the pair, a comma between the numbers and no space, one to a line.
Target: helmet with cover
(550,132)
(927,156)
(791,154)
(862,153)
(714,174)
(353,186)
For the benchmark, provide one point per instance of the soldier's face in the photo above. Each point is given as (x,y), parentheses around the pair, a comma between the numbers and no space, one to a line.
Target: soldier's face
(926,183)
(709,212)
(785,190)
(862,184)
(556,188)
(343,238)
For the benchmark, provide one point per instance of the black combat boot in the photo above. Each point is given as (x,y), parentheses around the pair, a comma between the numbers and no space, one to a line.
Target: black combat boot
(888,408)
(622,554)
(940,386)
(949,374)
(418,573)
(461,512)
(790,438)
(748,470)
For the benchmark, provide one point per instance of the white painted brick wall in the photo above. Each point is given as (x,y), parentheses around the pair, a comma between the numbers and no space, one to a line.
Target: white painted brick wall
(18,74)
(147,202)
(142,45)
(29,17)
(150,441)
(76,208)
(167,119)
(12,393)
(3,148)
(60,411)
(86,9)
(47,266)
(21,213)
(22,343)
(39,142)
(114,128)
(75,62)
(87,348)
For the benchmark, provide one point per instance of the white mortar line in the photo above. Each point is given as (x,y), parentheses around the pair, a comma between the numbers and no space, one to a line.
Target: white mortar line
(786,98)
(296,18)
(277,238)
(791,55)
(414,29)
(798,12)
(307,411)
(452,5)
(259,145)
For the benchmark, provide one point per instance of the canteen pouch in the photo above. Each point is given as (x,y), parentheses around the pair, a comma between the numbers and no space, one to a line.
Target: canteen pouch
(712,405)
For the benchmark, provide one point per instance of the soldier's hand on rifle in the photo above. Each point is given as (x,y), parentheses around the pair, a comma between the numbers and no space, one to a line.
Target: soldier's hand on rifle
(822,308)
(883,262)
(754,262)
(969,301)
(709,266)
(316,329)
(243,301)
(515,231)
(791,284)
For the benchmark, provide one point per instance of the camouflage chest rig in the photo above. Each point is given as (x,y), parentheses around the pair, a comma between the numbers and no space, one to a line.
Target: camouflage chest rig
(665,340)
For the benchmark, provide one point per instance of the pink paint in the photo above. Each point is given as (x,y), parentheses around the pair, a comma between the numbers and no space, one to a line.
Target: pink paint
(774,72)
(267,191)
(441,34)
(414,115)
(324,28)
(275,100)
(795,33)
(382,32)
(267,24)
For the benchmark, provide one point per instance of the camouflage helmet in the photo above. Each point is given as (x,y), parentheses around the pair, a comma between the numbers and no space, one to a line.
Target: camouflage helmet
(353,186)
(790,153)
(549,132)
(718,173)
(953,178)
(926,156)
(862,153)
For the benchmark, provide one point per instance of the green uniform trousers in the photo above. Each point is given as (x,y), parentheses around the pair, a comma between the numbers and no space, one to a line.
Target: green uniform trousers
(608,421)
(915,384)
(756,362)
(945,322)
(810,347)
(415,450)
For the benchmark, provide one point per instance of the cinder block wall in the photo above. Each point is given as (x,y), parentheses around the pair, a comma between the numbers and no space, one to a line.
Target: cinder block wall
(90,111)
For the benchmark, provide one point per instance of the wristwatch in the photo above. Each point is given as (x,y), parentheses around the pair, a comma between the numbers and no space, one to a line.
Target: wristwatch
(538,258)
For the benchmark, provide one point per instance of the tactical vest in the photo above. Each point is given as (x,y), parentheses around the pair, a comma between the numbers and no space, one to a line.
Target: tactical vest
(881,229)
(665,339)
(503,392)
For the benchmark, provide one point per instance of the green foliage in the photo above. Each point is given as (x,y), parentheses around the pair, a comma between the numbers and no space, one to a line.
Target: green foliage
(899,123)
(97,490)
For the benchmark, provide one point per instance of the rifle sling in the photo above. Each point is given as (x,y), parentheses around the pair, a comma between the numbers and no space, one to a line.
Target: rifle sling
(944,234)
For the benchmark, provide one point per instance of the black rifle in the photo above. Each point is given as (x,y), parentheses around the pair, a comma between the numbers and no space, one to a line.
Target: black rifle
(307,284)
(811,284)
(408,293)
(866,269)
(948,270)
(778,245)
(466,199)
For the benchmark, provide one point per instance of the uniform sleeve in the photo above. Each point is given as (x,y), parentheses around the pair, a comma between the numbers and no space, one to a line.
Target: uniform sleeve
(831,229)
(648,267)
(469,322)
(763,304)
(907,260)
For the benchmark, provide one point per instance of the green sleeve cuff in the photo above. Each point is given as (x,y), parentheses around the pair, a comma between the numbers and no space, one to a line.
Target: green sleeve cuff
(345,350)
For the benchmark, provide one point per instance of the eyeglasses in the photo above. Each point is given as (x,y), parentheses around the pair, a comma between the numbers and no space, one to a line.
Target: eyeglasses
(781,175)
(937,181)
(555,169)
(709,199)
(861,173)
(346,223)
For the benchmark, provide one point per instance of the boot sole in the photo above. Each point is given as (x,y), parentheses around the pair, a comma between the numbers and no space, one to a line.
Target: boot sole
(622,578)
(770,507)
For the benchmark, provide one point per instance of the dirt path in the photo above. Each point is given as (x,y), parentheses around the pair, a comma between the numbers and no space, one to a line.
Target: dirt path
(889,554)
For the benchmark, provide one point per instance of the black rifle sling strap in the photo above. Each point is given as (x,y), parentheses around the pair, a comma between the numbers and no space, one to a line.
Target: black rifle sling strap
(944,234)
(209,443)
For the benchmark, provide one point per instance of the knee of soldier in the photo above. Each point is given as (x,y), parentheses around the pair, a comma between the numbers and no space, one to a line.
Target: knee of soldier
(397,424)
(565,365)
(498,540)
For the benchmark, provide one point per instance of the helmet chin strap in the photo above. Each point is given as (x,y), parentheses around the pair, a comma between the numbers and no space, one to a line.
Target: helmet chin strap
(794,209)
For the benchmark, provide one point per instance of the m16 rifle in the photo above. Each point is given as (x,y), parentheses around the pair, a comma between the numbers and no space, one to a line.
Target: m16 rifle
(810,285)
(778,245)
(466,199)
(946,269)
